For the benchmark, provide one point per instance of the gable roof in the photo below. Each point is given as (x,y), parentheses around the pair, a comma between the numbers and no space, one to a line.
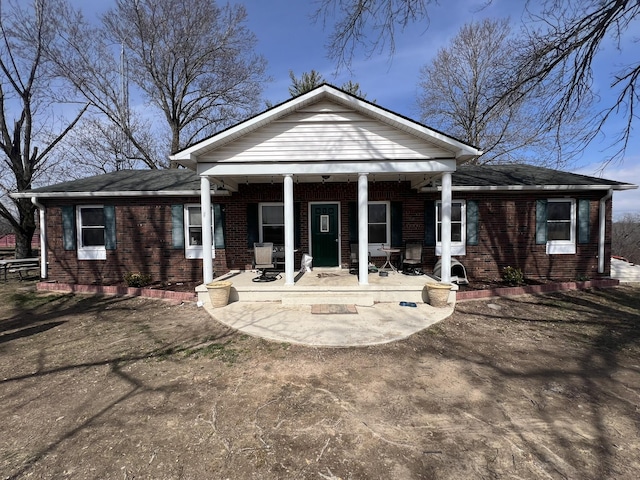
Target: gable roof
(328,94)
(181,182)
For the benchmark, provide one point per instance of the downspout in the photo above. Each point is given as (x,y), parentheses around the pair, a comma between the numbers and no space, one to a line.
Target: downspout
(43,237)
(601,236)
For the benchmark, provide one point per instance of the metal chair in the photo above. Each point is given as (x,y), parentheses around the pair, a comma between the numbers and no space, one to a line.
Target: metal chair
(412,259)
(354,260)
(263,261)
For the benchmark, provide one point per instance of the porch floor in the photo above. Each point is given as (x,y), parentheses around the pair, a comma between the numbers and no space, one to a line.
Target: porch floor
(325,285)
(327,308)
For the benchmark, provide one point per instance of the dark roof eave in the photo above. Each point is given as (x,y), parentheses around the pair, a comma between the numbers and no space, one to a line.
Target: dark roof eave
(523,188)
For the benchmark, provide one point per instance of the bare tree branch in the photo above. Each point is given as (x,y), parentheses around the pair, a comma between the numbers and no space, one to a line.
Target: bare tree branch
(26,140)
(461,94)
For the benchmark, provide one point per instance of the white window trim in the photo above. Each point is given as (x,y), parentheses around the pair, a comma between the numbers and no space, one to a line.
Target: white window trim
(374,248)
(196,251)
(457,248)
(564,247)
(266,204)
(93,252)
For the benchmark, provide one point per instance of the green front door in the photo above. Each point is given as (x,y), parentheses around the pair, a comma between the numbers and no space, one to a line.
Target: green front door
(324,234)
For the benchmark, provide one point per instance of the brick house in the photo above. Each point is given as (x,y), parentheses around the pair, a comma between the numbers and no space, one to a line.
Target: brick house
(318,174)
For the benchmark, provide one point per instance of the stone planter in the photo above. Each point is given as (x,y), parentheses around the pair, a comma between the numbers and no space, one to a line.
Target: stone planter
(219,293)
(438,294)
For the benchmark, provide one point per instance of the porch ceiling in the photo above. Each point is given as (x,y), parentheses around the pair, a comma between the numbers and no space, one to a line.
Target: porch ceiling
(417,180)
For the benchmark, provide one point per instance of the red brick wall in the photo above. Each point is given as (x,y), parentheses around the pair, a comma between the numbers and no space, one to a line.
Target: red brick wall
(143,243)
(507,238)
(144,228)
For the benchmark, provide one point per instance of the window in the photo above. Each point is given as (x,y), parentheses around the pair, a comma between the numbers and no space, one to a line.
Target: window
(91,232)
(193,231)
(561,226)
(272,223)
(458,228)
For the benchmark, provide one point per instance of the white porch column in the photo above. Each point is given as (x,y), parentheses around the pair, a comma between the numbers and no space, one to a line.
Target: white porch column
(207,237)
(289,240)
(445,233)
(363,229)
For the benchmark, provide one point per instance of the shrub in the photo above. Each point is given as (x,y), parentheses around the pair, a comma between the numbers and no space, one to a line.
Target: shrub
(137,279)
(512,276)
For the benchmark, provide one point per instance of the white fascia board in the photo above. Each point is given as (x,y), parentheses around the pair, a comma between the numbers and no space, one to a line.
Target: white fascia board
(526,188)
(326,168)
(159,193)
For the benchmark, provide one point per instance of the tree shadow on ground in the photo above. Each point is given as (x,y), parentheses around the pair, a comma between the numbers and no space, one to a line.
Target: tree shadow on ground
(599,327)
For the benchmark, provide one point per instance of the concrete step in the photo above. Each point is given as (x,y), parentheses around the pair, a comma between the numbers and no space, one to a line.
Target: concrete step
(323,298)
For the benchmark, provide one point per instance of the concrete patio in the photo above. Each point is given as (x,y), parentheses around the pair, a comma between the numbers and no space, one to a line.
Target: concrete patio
(327,308)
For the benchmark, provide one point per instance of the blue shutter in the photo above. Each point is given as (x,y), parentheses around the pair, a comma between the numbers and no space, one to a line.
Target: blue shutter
(297,225)
(218,226)
(429,223)
(353,222)
(541,222)
(69,227)
(253,227)
(583,220)
(109,227)
(472,222)
(396,224)
(177,226)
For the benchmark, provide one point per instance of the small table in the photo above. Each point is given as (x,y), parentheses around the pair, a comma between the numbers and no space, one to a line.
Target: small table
(389,251)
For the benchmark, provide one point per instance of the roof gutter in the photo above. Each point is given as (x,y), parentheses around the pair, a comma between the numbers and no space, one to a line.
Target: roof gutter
(528,188)
(132,193)
(601,236)
(43,237)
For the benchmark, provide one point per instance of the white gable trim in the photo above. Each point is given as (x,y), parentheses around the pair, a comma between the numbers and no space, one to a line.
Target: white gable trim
(458,150)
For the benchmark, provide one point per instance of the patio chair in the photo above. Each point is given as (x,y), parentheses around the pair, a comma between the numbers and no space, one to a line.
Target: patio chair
(412,259)
(354,260)
(263,261)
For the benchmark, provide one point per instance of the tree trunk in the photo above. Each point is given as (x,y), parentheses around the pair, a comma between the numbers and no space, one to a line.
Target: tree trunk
(24,233)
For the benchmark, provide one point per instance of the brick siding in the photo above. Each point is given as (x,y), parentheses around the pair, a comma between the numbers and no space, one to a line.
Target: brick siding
(144,234)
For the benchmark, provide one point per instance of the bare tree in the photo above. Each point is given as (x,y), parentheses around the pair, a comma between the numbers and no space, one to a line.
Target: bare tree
(190,59)
(29,132)
(460,93)
(625,238)
(563,42)
(96,146)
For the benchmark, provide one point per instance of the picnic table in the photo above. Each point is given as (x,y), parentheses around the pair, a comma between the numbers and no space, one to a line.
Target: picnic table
(19,266)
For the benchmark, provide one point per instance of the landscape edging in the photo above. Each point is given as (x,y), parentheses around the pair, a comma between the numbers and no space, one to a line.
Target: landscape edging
(118,290)
(536,289)
(460,296)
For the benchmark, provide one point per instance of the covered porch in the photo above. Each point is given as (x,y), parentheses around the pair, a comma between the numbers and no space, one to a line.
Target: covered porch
(326,136)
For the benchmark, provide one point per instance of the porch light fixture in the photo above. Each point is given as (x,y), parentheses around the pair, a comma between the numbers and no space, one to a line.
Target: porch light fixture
(325,178)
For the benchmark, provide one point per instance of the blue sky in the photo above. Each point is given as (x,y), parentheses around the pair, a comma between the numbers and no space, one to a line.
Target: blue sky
(289,40)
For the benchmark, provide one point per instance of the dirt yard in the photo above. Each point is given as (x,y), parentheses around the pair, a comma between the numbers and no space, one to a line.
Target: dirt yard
(130,388)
